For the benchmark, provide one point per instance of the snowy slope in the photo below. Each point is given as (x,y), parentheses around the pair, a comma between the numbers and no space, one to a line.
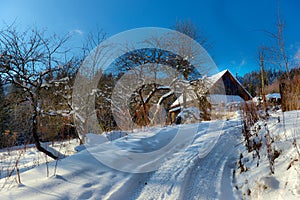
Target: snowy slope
(259,182)
(81,176)
(202,169)
(29,157)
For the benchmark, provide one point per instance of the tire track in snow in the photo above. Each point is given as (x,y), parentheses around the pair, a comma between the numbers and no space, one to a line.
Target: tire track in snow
(210,177)
(170,181)
(165,183)
(184,175)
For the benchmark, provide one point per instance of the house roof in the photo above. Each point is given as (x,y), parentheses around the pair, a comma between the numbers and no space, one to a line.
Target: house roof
(238,82)
(221,98)
(212,80)
(273,96)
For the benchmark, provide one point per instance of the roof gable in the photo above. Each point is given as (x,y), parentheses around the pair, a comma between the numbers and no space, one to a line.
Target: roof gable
(229,85)
(222,83)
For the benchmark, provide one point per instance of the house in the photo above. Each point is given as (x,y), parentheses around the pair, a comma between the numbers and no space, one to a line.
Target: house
(273,97)
(222,89)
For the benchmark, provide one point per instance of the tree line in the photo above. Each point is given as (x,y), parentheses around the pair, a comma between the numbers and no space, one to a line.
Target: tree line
(252,80)
(37,77)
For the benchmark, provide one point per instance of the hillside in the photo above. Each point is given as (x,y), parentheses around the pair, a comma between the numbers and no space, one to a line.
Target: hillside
(201,164)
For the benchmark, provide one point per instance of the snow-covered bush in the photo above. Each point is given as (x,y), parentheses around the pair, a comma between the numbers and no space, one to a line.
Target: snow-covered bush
(269,162)
(189,115)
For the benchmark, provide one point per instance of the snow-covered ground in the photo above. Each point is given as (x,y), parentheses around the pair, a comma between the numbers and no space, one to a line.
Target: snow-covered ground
(203,169)
(259,182)
(29,157)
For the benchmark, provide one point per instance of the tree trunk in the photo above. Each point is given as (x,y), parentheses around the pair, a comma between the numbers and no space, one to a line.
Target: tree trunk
(37,139)
(262,71)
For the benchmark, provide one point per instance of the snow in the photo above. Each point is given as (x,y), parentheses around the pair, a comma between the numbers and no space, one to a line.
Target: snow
(176,108)
(215,98)
(257,100)
(285,182)
(214,78)
(29,157)
(52,150)
(47,85)
(164,96)
(164,87)
(227,99)
(190,96)
(189,115)
(273,96)
(201,168)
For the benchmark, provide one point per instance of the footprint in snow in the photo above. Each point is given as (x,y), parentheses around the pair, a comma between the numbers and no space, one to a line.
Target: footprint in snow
(86,195)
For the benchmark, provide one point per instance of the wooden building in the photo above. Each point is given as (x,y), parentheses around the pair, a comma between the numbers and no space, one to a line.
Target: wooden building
(222,88)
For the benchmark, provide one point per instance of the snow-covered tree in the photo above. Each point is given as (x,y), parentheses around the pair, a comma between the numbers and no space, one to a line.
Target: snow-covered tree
(147,100)
(30,61)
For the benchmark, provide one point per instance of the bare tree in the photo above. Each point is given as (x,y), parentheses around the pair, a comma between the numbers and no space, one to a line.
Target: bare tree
(86,95)
(147,100)
(191,30)
(281,44)
(30,60)
(56,104)
(277,54)
(261,52)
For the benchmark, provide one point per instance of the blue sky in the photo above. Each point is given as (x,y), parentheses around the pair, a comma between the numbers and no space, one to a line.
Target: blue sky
(230,25)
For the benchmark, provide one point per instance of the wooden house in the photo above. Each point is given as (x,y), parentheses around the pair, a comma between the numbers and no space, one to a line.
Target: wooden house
(222,88)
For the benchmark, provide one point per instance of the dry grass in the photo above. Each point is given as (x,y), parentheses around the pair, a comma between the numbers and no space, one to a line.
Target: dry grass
(290,94)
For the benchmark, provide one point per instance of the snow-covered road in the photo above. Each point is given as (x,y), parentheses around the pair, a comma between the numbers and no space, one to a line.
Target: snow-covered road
(211,177)
(200,170)
(191,174)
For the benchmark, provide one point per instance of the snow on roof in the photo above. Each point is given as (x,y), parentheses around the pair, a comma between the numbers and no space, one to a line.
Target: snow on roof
(240,84)
(273,96)
(175,109)
(212,80)
(213,99)
(189,97)
(221,98)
